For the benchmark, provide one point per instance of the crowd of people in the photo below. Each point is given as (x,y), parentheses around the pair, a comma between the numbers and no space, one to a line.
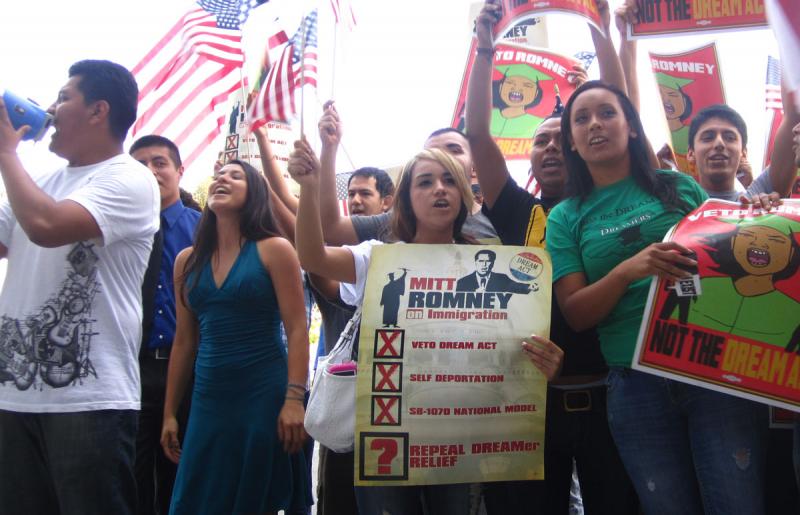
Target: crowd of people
(154,354)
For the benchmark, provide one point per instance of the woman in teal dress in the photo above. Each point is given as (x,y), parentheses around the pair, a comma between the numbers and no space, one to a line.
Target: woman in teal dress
(242,450)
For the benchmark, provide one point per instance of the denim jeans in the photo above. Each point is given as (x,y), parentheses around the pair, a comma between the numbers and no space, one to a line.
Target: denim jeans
(68,463)
(581,435)
(687,449)
(407,500)
(796,450)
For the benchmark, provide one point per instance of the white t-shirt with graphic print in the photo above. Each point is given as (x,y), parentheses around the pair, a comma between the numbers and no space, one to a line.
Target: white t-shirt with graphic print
(71,316)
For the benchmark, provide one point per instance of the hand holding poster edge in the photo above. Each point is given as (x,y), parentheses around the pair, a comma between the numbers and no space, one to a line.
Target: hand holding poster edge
(740,377)
(585,9)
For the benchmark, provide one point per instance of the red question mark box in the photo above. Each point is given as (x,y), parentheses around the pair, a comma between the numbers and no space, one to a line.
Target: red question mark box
(383,456)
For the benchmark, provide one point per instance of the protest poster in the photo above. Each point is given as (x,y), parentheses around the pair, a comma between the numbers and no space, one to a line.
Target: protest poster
(734,325)
(444,392)
(687,82)
(517,11)
(524,82)
(668,17)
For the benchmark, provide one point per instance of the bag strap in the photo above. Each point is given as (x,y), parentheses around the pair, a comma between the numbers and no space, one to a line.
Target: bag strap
(345,342)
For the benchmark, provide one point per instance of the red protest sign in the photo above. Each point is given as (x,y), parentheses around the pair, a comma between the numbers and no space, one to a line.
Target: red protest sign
(687,82)
(524,83)
(665,17)
(734,326)
(516,11)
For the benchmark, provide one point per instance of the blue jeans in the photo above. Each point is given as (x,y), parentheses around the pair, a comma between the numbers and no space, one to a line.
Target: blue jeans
(68,463)
(687,448)
(407,500)
(796,451)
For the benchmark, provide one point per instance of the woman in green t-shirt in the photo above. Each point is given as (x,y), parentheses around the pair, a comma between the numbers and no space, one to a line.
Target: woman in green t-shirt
(685,448)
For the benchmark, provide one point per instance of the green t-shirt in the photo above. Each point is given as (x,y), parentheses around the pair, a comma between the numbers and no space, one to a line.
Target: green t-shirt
(614,223)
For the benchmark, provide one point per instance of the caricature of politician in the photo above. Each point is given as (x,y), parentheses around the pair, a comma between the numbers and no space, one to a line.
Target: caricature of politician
(484,280)
(677,108)
(512,96)
(754,255)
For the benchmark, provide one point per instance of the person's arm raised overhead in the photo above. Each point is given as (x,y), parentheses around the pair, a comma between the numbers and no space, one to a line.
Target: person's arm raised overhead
(623,15)
(489,163)
(337,229)
(272,171)
(331,262)
(607,58)
(782,168)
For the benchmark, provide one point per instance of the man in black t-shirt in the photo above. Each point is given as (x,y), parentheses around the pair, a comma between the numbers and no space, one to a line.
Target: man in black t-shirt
(576,427)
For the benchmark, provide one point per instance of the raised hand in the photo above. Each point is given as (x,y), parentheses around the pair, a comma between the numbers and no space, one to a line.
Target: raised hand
(303,163)
(330,127)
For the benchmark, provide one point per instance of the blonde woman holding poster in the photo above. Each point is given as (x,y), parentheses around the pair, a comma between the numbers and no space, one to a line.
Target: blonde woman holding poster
(432,201)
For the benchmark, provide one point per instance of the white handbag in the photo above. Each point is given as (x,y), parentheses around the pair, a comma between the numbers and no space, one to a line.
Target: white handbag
(331,411)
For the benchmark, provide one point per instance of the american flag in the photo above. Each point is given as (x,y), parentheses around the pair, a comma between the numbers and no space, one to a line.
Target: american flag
(186,78)
(784,18)
(343,13)
(341,192)
(773,84)
(308,29)
(774,106)
(275,100)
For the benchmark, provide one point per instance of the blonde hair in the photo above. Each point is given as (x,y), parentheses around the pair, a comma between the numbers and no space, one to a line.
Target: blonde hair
(404,221)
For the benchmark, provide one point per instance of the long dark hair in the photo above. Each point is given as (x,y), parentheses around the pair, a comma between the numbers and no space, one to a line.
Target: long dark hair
(579,180)
(404,221)
(256,222)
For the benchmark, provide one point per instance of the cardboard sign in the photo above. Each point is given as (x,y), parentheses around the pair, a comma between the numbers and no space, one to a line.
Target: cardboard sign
(524,84)
(668,17)
(445,393)
(687,82)
(734,326)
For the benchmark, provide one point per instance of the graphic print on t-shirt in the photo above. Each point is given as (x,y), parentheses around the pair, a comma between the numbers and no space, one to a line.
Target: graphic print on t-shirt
(624,230)
(51,346)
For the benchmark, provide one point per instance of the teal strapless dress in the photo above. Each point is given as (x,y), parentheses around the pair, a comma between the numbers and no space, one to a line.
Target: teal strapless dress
(232,461)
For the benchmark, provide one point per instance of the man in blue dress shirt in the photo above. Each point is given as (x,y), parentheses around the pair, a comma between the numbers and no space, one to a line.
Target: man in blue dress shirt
(155,474)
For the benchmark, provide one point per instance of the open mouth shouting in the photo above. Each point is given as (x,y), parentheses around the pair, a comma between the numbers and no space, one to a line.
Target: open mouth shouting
(551,163)
(515,96)
(597,140)
(758,258)
(669,108)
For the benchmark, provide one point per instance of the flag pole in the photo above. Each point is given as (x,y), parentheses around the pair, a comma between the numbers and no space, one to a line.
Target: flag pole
(243,103)
(302,76)
(333,67)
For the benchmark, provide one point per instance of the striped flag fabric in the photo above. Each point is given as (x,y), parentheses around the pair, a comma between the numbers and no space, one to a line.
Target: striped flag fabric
(341,192)
(296,67)
(774,106)
(308,60)
(343,13)
(186,78)
(773,84)
(784,18)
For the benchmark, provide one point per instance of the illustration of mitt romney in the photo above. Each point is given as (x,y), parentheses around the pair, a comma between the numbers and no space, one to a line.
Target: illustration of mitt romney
(484,280)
